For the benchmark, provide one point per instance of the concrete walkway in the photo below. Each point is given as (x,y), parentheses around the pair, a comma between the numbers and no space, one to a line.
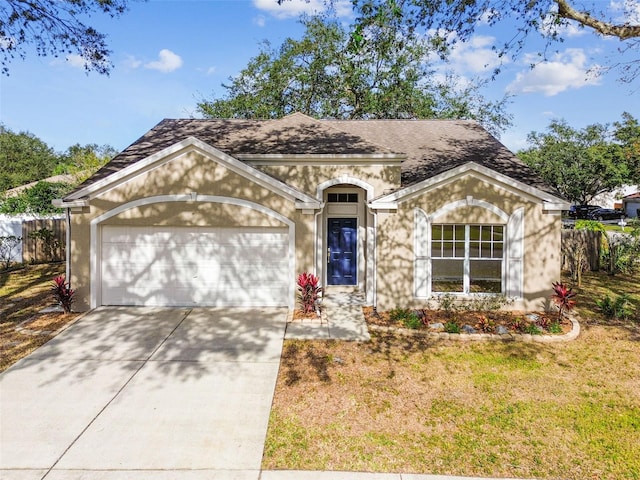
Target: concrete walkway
(342,319)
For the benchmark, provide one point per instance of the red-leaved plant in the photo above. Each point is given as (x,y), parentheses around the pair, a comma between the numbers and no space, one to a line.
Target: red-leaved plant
(563,297)
(62,293)
(309,291)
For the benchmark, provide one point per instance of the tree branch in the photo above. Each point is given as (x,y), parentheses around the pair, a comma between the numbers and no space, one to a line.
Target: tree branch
(623,32)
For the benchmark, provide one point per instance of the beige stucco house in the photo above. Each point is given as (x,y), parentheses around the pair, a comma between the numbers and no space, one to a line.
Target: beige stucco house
(229,212)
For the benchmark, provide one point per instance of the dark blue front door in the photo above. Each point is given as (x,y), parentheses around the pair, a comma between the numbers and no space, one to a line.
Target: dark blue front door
(342,241)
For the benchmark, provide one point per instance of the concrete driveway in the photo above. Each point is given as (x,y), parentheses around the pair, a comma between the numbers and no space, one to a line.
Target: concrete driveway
(144,393)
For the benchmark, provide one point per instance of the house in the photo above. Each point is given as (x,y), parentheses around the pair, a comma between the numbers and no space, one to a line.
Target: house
(228,212)
(631,205)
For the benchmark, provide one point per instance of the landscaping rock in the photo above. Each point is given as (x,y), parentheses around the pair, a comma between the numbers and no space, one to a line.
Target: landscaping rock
(468,329)
(532,317)
(502,330)
(436,326)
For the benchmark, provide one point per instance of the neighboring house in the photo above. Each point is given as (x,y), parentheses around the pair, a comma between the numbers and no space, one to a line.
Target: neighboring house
(228,212)
(64,178)
(631,205)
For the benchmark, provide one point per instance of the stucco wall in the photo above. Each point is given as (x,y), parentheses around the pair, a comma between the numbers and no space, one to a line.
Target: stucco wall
(306,178)
(183,175)
(396,251)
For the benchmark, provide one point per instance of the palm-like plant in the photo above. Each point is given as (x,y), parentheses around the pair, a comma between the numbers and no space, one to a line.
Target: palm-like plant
(563,297)
(309,291)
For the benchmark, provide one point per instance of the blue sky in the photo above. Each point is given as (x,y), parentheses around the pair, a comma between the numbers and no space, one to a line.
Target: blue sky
(168,54)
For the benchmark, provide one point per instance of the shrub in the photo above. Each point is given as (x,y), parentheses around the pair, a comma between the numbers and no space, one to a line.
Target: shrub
(618,308)
(451,327)
(447,303)
(555,328)
(62,293)
(623,254)
(563,297)
(533,329)
(486,325)
(309,291)
(412,321)
(36,199)
(399,314)
(7,246)
(518,324)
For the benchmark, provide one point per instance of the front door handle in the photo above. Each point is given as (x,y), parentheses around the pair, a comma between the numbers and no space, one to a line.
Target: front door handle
(329,255)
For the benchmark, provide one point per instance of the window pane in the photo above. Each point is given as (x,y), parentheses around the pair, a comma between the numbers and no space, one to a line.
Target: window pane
(353,198)
(474,232)
(447,249)
(498,234)
(447,232)
(485,234)
(485,276)
(497,250)
(436,249)
(459,232)
(474,249)
(447,275)
(436,232)
(332,197)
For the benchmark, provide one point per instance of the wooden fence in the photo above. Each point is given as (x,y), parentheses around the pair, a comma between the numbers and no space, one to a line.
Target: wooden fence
(37,250)
(590,239)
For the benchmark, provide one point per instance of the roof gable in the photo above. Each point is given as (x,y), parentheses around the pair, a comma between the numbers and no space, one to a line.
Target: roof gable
(119,177)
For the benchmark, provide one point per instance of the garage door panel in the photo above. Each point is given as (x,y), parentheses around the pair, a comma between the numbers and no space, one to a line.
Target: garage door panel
(181,266)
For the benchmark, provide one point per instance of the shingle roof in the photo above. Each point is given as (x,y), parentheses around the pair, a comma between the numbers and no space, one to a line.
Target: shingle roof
(431,146)
(435,146)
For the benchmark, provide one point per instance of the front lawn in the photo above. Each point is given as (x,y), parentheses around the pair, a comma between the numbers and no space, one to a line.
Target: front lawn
(409,404)
(24,292)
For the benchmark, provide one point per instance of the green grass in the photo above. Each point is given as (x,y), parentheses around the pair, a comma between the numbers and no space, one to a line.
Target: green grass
(405,404)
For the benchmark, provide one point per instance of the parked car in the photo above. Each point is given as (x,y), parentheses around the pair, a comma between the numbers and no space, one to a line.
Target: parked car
(582,211)
(605,214)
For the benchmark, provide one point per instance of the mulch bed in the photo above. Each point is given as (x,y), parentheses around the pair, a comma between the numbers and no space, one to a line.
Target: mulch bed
(481,321)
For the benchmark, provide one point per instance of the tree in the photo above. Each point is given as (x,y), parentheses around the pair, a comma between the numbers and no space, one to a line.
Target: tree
(330,74)
(24,158)
(35,200)
(448,22)
(584,163)
(82,161)
(55,27)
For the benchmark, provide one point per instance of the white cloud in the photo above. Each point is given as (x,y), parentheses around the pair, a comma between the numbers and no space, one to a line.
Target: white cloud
(567,29)
(567,70)
(132,62)
(76,60)
(475,55)
(167,62)
(295,8)
(7,42)
(260,20)
(207,71)
(628,10)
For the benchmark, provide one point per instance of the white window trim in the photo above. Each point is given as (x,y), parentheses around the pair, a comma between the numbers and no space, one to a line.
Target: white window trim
(512,259)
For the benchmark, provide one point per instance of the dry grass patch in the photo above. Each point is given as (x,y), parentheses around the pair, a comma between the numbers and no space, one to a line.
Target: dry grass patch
(23,293)
(408,404)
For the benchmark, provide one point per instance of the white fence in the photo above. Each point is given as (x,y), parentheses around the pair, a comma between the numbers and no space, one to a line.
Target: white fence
(12,226)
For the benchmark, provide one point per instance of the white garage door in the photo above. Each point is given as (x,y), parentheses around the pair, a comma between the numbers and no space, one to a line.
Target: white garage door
(175,266)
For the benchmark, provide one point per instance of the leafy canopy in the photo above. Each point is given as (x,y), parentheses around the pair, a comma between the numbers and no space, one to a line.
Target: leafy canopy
(330,73)
(447,22)
(584,163)
(24,158)
(56,28)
